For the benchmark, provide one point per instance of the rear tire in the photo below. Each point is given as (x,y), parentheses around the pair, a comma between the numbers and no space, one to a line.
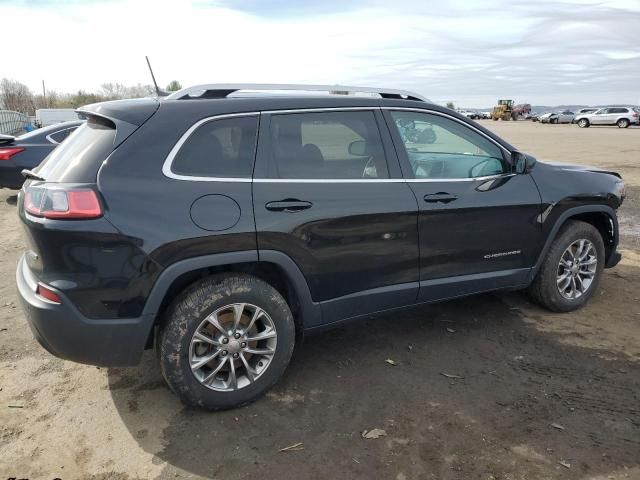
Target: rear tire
(563,285)
(214,318)
(623,123)
(583,123)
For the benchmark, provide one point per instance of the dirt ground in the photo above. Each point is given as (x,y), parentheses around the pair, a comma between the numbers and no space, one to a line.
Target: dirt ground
(529,395)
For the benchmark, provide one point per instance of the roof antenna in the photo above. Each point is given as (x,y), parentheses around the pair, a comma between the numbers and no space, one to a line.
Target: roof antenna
(160,93)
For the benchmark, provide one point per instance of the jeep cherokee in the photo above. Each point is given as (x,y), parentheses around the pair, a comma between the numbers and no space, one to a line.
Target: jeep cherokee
(220,224)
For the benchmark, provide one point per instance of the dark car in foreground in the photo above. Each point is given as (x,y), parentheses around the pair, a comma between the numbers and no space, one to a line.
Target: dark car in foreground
(222,224)
(27,151)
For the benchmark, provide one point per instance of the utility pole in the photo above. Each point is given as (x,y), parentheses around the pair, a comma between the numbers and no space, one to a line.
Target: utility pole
(44,95)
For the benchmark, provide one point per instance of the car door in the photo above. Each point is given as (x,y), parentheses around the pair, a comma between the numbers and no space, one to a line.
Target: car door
(616,113)
(478,221)
(328,193)
(601,117)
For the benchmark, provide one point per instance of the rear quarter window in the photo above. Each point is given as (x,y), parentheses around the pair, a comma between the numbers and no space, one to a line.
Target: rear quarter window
(78,159)
(220,148)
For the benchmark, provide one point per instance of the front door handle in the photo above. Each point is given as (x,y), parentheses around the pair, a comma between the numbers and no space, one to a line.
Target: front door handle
(440,197)
(288,205)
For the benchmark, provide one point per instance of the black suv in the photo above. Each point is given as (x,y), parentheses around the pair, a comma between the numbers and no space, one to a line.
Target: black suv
(219,224)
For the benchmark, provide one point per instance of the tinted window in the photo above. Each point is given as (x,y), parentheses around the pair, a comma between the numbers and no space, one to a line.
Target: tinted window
(58,137)
(329,145)
(79,159)
(618,110)
(222,148)
(438,147)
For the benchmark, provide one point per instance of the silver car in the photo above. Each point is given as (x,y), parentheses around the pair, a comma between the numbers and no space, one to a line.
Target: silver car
(620,116)
(557,117)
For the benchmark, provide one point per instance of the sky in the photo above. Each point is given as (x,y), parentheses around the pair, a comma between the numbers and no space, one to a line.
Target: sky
(471,52)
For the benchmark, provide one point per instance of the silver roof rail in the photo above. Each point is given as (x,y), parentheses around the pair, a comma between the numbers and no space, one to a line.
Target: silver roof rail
(223,90)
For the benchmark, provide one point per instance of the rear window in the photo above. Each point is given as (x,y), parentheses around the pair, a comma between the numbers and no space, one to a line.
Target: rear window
(60,136)
(79,158)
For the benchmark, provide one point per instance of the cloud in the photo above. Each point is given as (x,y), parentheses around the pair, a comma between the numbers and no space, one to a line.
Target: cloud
(544,52)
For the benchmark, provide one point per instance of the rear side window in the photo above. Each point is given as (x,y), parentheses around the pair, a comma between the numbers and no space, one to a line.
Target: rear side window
(79,159)
(618,110)
(222,148)
(327,145)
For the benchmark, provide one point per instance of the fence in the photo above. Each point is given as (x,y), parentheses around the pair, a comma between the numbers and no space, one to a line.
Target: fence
(13,123)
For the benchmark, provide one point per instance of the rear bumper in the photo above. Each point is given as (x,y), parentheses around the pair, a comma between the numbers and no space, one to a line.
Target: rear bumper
(63,331)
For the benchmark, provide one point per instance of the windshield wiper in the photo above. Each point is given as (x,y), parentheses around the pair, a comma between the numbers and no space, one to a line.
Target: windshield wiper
(31,174)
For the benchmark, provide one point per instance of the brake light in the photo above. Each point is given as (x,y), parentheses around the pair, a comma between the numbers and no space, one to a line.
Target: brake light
(55,203)
(47,293)
(8,152)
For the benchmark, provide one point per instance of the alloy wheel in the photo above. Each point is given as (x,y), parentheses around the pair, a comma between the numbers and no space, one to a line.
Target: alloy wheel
(232,347)
(577,269)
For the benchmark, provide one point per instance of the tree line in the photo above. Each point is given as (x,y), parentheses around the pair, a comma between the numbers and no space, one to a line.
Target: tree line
(16,96)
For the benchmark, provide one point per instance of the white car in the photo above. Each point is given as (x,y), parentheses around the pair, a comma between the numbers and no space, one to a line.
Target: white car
(468,114)
(620,116)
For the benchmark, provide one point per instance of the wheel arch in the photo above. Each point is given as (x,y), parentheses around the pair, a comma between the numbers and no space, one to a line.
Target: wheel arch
(276,268)
(602,217)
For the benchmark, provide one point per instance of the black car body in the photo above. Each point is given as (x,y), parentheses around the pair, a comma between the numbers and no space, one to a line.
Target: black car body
(339,235)
(27,151)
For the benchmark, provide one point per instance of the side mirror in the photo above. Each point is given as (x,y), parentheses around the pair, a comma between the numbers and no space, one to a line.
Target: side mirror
(522,162)
(358,148)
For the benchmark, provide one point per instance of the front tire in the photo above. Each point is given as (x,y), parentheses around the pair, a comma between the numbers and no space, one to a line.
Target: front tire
(583,123)
(225,341)
(623,123)
(571,270)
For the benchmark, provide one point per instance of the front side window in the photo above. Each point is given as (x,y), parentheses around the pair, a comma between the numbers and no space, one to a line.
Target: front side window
(223,148)
(326,145)
(438,147)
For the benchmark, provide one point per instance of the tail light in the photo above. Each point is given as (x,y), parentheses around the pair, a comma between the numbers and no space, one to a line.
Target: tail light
(7,152)
(58,203)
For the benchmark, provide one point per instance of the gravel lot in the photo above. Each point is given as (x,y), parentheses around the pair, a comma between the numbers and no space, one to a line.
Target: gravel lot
(530,395)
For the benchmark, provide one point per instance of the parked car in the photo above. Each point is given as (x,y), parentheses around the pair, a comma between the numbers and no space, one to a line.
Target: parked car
(28,150)
(583,111)
(620,116)
(172,224)
(557,117)
(469,114)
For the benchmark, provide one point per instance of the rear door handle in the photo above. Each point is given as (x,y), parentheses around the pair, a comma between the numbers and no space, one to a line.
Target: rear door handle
(288,205)
(440,197)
